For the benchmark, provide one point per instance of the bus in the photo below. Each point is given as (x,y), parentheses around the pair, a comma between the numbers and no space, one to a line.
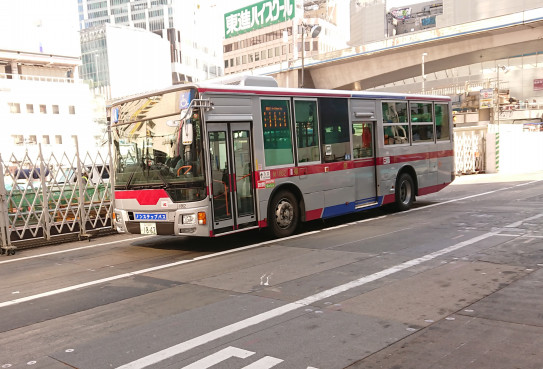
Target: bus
(210,160)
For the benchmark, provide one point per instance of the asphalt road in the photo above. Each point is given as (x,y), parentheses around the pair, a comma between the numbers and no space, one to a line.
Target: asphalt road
(454,283)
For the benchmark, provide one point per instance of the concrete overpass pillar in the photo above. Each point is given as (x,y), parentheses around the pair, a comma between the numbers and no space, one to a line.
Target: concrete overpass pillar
(287,78)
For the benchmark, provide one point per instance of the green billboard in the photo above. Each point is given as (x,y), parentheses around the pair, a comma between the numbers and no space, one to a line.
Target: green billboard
(259,15)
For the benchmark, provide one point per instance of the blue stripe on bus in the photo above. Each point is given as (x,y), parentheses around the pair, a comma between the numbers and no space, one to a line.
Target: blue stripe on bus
(343,209)
(333,211)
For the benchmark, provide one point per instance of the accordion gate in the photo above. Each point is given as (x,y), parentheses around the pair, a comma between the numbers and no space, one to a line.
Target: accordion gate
(45,197)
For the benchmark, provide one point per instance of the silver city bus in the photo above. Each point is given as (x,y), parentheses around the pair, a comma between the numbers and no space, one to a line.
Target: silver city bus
(208,160)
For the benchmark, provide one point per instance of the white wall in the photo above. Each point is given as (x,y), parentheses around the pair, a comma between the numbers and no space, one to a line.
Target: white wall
(513,151)
(463,11)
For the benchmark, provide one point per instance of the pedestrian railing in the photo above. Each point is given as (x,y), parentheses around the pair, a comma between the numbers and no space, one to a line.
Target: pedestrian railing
(52,195)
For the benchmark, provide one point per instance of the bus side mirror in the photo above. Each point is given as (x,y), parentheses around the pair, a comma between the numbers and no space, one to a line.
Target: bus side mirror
(186,133)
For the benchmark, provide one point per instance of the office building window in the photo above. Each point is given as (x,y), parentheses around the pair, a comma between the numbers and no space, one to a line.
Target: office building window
(14,108)
(30,108)
(58,139)
(43,109)
(55,109)
(71,109)
(45,140)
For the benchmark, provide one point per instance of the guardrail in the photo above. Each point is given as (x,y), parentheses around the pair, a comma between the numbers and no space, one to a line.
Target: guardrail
(42,198)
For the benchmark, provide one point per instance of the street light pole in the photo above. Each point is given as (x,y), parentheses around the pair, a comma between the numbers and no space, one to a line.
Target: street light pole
(315,30)
(423,75)
(303,55)
(505,69)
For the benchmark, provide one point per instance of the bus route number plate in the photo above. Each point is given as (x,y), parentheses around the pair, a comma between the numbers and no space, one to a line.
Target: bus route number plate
(148,228)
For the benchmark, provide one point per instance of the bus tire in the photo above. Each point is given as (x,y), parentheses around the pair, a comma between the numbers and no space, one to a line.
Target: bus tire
(283,214)
(405,192)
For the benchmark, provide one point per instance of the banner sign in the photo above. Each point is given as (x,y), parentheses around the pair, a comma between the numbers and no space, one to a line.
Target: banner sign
(486,98)
(401,14)
(538,84)
(259,15)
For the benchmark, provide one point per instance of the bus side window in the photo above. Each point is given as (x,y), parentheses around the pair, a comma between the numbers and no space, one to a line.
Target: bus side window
(334,119)
(362,140)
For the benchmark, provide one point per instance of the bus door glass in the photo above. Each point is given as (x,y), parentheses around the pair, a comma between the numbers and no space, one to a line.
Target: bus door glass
(231,167)
(364,163)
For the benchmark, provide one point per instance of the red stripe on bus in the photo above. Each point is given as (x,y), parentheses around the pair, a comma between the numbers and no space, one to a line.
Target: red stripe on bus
(144,197)
(414,157)
(350,164)
(432,189)
(389,199)
(313,214)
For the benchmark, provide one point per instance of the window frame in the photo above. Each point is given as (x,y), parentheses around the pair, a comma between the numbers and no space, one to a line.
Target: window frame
(348,153)
(318,128)
(421,124)
(291,131)
(445,105)
(405,125)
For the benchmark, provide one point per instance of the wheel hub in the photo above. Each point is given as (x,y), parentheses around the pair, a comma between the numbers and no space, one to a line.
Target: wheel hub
(284,214)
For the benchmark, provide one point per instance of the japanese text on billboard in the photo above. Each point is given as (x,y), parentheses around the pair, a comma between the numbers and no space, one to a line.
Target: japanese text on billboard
(259,15)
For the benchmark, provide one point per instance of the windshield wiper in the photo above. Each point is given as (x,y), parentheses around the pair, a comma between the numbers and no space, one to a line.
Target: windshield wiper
(127,186)
(164,180)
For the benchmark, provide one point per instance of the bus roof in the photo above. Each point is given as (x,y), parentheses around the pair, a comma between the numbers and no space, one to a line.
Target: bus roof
(281,91)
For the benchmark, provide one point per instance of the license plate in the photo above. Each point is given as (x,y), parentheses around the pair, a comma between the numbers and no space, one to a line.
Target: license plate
(150,216)
(148,228)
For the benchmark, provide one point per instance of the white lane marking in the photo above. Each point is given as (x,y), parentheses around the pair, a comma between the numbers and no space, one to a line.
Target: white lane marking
(219,357)
(257,319)
(70,250)
(266,362)
(142,271)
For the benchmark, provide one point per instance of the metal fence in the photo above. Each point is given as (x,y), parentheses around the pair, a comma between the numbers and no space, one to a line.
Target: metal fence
(470,150)
(44,196)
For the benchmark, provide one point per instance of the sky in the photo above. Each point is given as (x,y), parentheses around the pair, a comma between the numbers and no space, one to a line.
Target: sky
(26,26)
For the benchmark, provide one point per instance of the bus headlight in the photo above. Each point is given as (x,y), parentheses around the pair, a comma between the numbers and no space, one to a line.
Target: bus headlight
(189,218)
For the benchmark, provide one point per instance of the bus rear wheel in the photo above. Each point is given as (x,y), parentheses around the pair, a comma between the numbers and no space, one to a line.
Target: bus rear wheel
(283,214)
(405,192)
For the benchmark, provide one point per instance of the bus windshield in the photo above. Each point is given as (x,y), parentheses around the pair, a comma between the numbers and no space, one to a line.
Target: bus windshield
(150,152)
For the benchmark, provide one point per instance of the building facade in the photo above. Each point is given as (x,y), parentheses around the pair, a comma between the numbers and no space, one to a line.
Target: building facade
(194,55)
(279,33)
(119,61)
(42,99)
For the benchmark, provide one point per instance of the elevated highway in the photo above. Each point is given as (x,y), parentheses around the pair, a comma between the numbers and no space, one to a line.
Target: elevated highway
(399,58)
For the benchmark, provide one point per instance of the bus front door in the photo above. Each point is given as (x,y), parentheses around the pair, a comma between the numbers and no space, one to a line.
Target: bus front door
(231,167)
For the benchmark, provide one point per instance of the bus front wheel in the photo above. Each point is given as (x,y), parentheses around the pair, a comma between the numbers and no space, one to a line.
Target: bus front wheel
(405,192)
(283,214)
